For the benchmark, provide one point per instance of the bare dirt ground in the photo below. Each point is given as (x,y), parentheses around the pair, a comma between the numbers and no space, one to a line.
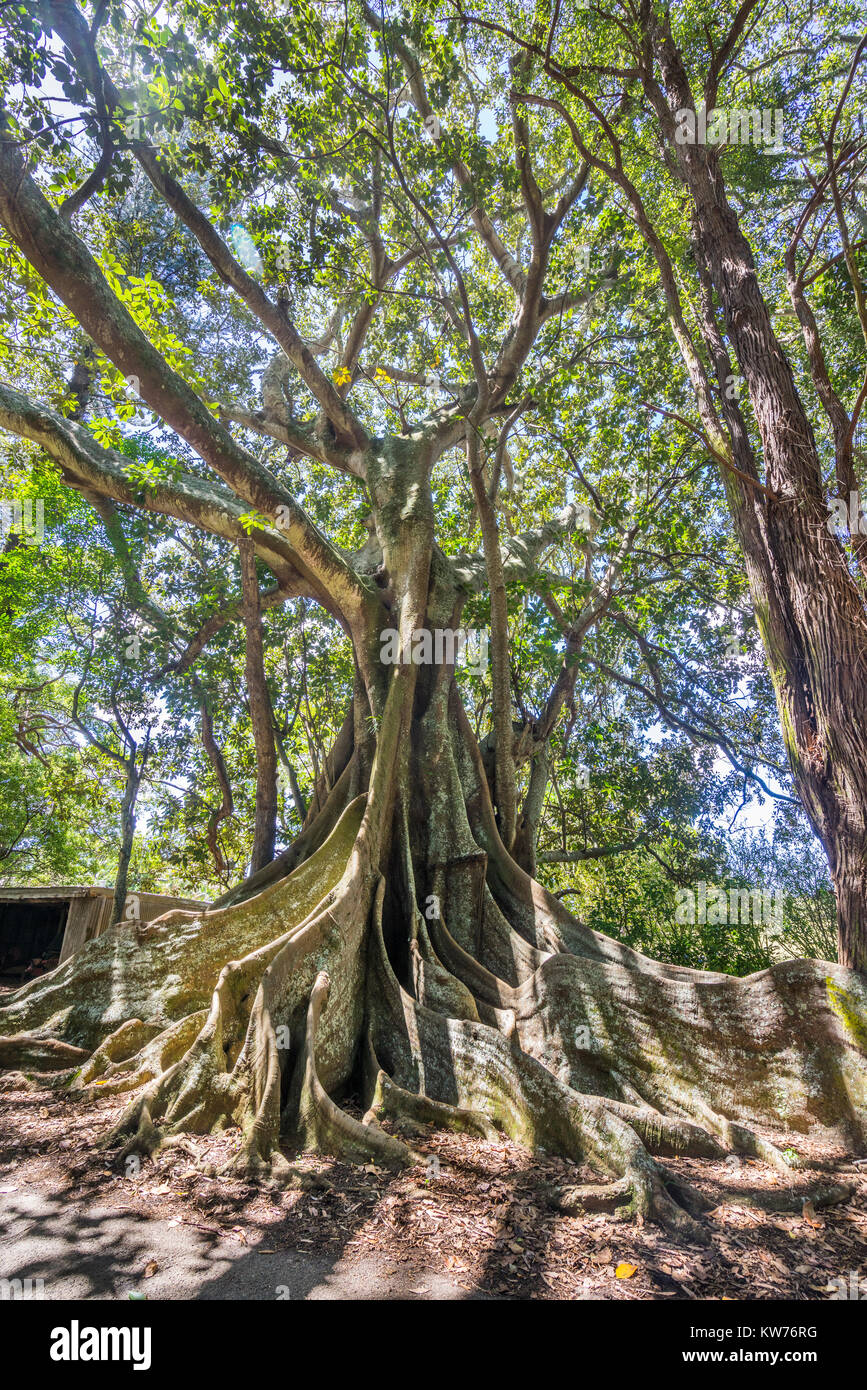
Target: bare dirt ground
(471,1212)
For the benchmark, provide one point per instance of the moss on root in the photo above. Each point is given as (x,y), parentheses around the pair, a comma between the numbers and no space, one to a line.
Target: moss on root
(849,1010)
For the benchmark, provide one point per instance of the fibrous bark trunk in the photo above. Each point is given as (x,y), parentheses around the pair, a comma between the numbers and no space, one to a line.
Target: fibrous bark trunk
(808,605)
(261,717)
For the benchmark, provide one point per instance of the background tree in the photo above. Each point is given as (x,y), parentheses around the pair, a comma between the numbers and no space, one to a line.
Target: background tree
(699,100)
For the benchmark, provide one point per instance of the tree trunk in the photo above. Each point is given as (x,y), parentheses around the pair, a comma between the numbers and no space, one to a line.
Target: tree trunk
(218,763)
(265,827)
(808,606)
(501,684)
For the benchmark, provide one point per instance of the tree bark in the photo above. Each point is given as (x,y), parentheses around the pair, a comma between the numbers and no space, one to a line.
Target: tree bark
(504,761)
(218,763)
(409,956)
(127,833)
(261,716)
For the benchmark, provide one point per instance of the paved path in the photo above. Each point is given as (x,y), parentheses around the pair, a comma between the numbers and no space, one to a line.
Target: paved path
(85,1251)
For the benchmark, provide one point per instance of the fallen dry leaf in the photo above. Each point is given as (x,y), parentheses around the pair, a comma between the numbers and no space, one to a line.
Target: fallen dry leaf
(625,1270)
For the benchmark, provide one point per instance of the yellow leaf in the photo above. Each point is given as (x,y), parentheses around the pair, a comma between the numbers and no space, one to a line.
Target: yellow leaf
(625,1270)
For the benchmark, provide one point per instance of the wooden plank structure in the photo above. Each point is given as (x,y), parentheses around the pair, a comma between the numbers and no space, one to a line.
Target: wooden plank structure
(49,925)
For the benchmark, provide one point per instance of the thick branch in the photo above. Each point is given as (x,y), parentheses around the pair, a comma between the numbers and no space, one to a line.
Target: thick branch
(89,467)
(66,265)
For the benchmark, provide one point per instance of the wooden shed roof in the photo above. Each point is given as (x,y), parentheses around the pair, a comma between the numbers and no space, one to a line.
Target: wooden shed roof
(63,892)
(72,890)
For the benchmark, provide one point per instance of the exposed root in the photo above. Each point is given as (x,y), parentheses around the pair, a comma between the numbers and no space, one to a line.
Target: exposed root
(123,1064)
(742,1140)
(291,1176)
(671,1138)
(389,1099)
(472,1066)
(144,1143)
(493,1011)
(223,1065)
(620,1199)
(585,1198)
(321,1126)
(39,1054)
(685,1193)
(795,1199)
(117,1048)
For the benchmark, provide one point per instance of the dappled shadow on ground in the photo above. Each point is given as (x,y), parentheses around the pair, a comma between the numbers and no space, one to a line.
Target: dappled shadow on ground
(470,1220)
